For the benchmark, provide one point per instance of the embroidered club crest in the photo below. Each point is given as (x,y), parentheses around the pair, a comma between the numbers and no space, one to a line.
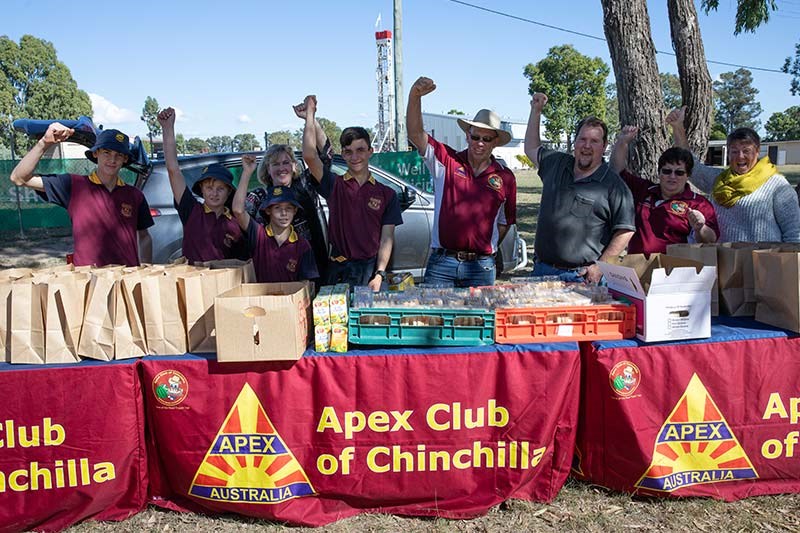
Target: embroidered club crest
(126,209)
(228,241)
(624,378)
(120,137)
(678,207)
(495,182)
(291,266)
(170,387)
(374,203)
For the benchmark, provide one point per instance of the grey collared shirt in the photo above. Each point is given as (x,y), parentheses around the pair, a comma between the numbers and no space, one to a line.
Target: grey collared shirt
(577,218)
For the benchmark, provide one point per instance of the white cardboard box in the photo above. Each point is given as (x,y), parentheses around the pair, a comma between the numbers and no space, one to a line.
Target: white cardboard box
(672,295)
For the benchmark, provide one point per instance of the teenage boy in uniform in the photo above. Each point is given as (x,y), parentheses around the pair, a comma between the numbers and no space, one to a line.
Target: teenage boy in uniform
(209,230)
(109,218)
(362,213)
(279,253)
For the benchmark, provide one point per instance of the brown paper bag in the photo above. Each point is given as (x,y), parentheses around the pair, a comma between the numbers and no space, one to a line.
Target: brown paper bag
(27,322)
(97,333)
(703,253)
(163,322)
(735,277)
(129,336)
(6,278)
(63,304)
(777,287)
(246,267)
(197,291)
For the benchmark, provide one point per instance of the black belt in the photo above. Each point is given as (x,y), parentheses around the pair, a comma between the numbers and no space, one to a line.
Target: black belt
(462,255)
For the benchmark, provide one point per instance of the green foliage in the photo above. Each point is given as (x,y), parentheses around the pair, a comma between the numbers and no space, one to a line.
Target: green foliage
(735,99)
(575,85)
(150,115)
(750,14)
(35,84)
(456,112)
(525,160)
(784,125)
(220,143)
(245,142)
(612,110)
(295,140)
(332,131)
(791,66)
(196,145)
(718,132)
(180,143)
(671,89)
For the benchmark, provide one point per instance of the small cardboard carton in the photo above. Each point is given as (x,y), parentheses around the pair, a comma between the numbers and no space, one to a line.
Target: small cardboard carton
(264,321)
(672,295)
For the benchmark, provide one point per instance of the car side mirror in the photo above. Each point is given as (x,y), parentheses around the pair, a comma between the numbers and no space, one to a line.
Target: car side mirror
(407,198)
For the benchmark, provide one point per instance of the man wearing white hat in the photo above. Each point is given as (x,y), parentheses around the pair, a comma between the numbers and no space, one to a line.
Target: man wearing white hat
(475,196)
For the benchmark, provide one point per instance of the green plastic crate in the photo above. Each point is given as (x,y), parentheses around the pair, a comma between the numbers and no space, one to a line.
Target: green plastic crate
(421,327)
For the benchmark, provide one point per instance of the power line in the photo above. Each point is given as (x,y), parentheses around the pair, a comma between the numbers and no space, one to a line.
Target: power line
(597,38)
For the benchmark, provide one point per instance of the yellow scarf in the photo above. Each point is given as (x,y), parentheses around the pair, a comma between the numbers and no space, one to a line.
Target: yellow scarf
(729,188)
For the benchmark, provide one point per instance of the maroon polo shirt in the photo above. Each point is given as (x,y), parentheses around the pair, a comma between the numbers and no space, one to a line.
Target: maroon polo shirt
(291,261)
(357,214)
(104,224)
(206,236)
(467,207)
(661,222)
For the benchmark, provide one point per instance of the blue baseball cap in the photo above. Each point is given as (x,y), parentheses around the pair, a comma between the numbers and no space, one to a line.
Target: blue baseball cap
(110,140)
(217,172)
(278,194)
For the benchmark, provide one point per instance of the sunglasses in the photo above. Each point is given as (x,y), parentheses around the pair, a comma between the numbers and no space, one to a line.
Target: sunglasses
(677,171)
(477,138)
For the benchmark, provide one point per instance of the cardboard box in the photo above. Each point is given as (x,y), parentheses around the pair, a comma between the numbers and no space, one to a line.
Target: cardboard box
(264,321)
(705,253)
(672,295)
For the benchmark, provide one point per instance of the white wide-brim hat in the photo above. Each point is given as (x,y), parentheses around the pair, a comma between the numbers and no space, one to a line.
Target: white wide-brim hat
(488,120)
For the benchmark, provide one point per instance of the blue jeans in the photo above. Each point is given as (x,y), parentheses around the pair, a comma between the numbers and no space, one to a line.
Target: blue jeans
(353,272)
(573,274)
(446,270)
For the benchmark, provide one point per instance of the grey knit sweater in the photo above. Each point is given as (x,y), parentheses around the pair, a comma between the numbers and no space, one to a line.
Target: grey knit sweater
(771,213)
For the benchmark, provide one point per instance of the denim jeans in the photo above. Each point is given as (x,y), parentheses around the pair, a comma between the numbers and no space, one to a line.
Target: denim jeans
(446,270)
(353,272)
(543,269)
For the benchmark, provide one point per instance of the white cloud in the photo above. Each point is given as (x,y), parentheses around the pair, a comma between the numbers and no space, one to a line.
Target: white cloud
(107,113)
(244,119)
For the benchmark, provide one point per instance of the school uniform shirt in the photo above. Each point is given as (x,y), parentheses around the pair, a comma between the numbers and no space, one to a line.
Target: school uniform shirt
(661,222)
(291,261)
(206,236)
(356,214)
(104,223)
(468,208)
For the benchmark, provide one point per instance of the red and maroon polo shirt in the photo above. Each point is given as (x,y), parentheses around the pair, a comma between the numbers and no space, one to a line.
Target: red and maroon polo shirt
(206,236)
(468,208)
(357,214)
(291,261)
(661,222)
(104,223)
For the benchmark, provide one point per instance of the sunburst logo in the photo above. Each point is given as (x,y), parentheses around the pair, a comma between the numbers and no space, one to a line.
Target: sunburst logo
(695,446)
(248,462)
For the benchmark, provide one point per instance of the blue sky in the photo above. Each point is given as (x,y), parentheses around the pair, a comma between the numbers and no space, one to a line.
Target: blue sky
(237,66)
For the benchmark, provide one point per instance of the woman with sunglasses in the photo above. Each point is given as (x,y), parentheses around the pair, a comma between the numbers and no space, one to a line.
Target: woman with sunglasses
(753,202)
(667,212)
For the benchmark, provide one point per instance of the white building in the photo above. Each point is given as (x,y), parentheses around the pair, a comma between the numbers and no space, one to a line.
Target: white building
(444,128)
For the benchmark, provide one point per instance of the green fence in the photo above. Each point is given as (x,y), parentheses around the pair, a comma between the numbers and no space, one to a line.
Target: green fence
(406,165)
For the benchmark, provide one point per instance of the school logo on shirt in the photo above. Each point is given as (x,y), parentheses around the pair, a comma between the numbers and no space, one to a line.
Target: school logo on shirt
(228,241)
(459,172)
(495,182)
(624,378)
(374,203)
(291,266)
(678,207)
(126,209)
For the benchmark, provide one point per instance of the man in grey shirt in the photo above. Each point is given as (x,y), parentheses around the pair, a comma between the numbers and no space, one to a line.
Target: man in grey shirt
(586,212)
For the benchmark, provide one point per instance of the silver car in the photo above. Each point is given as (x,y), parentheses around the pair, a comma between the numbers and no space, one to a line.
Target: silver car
(412,238)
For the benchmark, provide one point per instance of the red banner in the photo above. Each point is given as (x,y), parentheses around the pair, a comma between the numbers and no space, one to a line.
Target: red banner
(71,445)
(449,433)
(717,418)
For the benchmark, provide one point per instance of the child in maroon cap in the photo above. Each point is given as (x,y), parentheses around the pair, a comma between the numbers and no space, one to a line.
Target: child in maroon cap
(279,252)
(209,230)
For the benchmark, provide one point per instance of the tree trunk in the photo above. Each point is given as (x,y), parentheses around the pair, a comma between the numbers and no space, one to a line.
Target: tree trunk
(633,55)
(693,72)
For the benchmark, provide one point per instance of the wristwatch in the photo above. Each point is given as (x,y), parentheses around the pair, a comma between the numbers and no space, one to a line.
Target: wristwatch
(381,273)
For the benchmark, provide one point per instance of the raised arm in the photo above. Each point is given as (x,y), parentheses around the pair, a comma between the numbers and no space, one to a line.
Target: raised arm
(416,133)
(176,180)
(703,177)
(22,174)
(675,119)
(239,211)
(619,152)
(319,133)
(533,139)
(310,147)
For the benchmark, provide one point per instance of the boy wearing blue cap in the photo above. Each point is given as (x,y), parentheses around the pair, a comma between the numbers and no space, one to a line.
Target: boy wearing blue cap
(209,229)
(279,253)
(109,218)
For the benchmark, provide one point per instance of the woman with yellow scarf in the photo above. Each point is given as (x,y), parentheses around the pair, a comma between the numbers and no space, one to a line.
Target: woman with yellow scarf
(753,202)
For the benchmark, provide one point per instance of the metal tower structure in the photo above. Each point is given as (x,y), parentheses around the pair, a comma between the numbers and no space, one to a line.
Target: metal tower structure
(385,131)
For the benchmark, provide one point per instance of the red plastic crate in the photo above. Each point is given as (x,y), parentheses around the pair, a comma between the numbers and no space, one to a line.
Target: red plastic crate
(565,324)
